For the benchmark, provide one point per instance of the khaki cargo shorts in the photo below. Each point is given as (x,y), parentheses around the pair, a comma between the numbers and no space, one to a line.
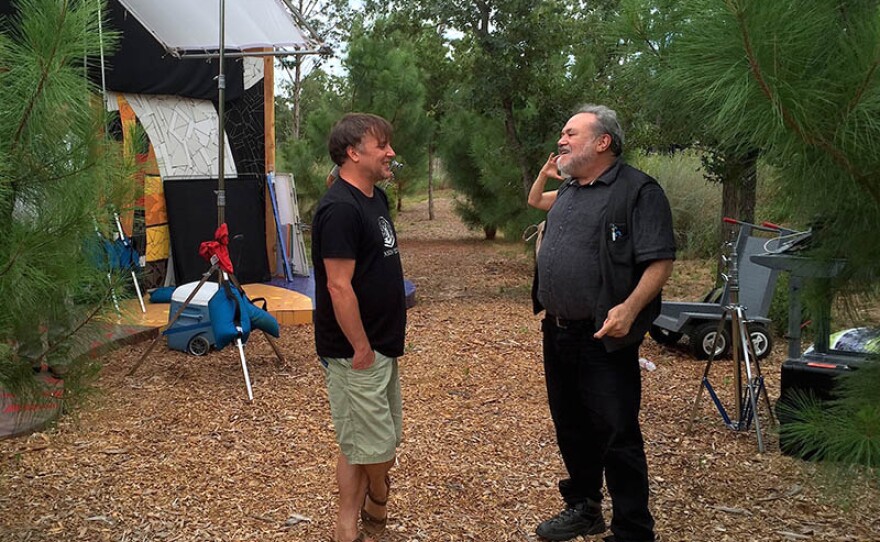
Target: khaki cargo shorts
(366,408)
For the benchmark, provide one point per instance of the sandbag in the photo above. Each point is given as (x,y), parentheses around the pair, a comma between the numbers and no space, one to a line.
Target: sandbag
(228,320)
(162,295)
(260,317)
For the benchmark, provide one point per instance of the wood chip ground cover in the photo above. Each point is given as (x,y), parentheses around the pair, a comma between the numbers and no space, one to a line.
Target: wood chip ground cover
(176,453)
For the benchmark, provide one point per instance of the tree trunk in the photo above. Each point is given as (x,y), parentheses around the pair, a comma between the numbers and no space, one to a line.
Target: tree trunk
(513,139)
(297,82)
(738,194)
(490,232)
(430,182)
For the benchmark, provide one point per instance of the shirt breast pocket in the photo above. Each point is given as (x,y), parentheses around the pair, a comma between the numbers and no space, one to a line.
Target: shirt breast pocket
(619,244)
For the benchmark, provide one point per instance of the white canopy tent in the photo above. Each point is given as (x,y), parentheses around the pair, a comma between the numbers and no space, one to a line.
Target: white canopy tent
(192,30)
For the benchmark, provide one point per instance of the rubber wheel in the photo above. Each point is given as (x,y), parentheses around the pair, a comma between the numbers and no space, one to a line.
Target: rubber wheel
(198,345)
(762,341)
(664,336)
(704,335)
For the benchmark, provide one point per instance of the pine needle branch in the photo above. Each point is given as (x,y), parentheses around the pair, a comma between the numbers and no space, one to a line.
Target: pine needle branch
(839,157)
(91,316)
(44,77)
(11,262)
(642,34)
(48,172)
(860,91)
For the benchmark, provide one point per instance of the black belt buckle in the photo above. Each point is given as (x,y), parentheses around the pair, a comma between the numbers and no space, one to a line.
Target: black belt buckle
(569,325)
(561,323)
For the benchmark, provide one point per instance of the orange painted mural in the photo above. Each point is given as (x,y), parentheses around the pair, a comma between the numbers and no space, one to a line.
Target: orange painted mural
(156,219)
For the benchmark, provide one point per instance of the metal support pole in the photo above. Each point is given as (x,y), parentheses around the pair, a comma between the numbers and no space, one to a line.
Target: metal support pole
(221,113)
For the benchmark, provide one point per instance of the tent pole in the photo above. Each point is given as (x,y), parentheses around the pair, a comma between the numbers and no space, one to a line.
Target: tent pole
(221,113)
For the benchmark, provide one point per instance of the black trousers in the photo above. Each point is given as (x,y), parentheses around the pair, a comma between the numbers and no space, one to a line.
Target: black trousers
(594,399)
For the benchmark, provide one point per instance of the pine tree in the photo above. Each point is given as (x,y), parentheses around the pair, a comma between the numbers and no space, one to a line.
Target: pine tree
(799,81)
(482,172)
(59,176)
(385,80)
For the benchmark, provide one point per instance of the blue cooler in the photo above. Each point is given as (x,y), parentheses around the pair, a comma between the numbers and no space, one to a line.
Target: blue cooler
(191,332)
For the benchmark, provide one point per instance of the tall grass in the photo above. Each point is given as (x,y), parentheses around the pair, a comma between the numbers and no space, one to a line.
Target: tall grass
(695,202)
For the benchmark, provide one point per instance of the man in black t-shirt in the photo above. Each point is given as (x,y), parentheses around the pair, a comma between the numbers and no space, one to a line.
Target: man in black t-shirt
(360,320)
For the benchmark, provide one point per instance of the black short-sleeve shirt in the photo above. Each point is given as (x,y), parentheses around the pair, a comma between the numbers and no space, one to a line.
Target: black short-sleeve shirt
(569,277)
(349,225)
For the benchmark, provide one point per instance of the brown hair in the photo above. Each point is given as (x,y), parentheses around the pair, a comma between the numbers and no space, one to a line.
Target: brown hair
(349,131)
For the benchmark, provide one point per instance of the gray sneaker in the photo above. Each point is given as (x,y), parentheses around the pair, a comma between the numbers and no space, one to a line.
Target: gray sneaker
(578,520)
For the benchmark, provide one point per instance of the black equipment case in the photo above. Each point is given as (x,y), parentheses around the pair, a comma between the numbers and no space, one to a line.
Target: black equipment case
(812,374)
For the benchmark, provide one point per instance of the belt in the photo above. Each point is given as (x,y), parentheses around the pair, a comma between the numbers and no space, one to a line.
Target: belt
(563,323)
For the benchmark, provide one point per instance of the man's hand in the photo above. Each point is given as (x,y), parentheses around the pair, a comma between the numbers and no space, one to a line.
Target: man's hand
(620,318)
(618,322)
(550,169)
(537,197)
(363,359)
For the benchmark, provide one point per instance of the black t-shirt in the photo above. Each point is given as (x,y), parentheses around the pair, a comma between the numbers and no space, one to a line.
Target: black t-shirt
(349,225)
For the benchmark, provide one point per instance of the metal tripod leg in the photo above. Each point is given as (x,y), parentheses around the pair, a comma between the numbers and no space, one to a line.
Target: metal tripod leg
(224,276)
(742,342)
(763,388)
(137,290)
(134,279)
(759,378)
(274,345)
(706,370)
(244,368)
(174,318)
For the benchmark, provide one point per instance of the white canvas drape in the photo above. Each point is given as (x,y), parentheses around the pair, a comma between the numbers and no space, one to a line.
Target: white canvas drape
(193,25)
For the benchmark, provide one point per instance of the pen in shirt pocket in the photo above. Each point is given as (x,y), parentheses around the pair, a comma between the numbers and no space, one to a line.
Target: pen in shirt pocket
(615,232)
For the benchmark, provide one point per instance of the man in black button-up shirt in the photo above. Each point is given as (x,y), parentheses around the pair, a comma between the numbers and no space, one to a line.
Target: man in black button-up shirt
(607,251)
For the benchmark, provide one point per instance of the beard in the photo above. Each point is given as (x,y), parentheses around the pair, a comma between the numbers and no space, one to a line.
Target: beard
(385,172)
(573,163)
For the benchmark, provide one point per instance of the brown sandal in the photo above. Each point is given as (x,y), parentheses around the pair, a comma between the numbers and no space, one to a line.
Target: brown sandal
(359,538)
(374,527)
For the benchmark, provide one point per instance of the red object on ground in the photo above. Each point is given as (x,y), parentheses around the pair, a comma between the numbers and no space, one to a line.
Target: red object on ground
(218,247)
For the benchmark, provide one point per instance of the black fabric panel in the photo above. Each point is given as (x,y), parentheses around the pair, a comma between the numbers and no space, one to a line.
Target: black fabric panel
(141,65)
(192,219)
(245,130)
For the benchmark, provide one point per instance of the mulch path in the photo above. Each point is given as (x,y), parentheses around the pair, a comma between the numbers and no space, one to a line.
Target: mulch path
(176,453)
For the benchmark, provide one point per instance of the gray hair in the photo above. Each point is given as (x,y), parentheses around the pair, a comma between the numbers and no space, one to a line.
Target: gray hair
(607,124)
